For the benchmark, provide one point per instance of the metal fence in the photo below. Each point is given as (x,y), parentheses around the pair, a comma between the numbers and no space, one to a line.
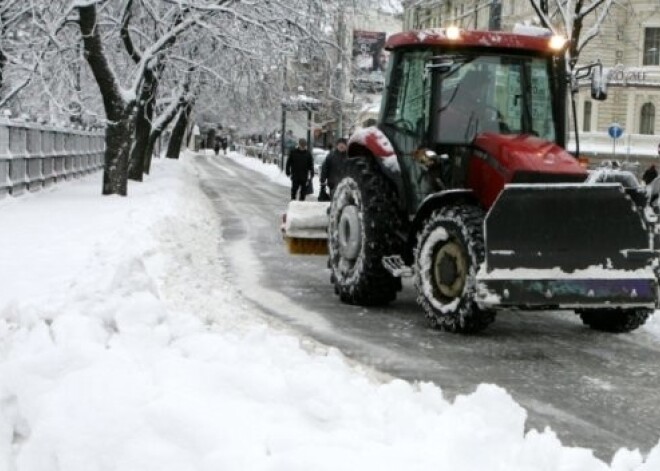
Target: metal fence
(33,156)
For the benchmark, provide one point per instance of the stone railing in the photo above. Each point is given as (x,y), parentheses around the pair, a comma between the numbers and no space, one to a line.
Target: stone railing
(33,156)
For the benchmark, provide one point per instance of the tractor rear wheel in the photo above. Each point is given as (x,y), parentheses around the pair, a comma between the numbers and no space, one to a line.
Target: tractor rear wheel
(614,320)
(450,249)
(364,220)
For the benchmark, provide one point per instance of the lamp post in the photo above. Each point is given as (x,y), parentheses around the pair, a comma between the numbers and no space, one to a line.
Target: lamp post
(282,137)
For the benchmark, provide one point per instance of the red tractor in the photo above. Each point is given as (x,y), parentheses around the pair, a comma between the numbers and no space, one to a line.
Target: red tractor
(465,185)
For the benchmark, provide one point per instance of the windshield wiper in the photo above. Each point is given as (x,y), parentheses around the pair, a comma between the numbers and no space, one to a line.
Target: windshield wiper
(448,65)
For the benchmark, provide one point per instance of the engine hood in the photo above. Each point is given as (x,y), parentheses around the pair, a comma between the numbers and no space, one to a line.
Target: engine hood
(527,154)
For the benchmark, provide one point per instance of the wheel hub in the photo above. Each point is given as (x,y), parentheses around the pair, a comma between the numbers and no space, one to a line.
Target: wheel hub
(350,235)
(450,269)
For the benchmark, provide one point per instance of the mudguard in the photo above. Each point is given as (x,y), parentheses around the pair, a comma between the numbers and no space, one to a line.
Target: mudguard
(376,142)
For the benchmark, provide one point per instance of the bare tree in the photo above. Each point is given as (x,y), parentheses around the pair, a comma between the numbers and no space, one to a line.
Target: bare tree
(570,17)
(19,58)
(139,65)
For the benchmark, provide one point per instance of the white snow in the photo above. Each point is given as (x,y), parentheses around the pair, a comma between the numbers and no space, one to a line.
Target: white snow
(596,272)
(124,345)
(271,171)
(362,134)
(307,219)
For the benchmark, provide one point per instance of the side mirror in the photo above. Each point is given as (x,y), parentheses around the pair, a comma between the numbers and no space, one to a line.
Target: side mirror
(598,84)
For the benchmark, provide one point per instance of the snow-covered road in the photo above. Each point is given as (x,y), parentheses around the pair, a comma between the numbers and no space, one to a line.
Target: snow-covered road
(595,389)
(128,344)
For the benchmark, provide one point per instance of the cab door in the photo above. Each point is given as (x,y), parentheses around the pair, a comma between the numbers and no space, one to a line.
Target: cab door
(405,120)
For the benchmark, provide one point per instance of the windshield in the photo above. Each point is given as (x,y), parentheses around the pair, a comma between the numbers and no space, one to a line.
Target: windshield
(502,94)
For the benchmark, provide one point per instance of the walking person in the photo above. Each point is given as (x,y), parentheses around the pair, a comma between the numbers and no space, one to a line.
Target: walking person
(333,165)
(216,145)
(300,168)
(650,174)
(225,143)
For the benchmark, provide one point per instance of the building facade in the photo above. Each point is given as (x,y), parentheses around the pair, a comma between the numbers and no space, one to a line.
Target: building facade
(628,45)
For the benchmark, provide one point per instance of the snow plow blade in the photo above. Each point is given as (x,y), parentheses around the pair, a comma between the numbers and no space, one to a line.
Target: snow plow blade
(305,227)
(567,245)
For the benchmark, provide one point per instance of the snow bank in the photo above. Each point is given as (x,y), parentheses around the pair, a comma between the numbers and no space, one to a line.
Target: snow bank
(124,346)
(271,171)
(653,324)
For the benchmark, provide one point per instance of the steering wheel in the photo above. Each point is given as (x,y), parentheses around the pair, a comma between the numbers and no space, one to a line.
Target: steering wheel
(404,124)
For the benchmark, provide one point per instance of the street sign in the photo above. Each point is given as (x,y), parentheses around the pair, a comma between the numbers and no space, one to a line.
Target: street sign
(615,130)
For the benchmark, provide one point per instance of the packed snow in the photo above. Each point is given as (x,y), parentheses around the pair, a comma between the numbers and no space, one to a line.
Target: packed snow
(125,346)
(307,219)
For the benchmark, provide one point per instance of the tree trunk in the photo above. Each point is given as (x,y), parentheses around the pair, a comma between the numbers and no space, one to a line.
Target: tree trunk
(149,151)
(3,58)
(118,137)
(119,113)
(143,129)
(176,140)
(156,132)
(3,61)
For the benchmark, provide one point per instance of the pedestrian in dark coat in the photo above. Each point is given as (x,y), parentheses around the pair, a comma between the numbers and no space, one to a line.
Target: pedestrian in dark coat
(216,145)
(333,165)
(300,168)
(225,143)
(650,174)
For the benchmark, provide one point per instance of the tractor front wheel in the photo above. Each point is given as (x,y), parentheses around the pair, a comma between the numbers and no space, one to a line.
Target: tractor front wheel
(450,249)
(614,320)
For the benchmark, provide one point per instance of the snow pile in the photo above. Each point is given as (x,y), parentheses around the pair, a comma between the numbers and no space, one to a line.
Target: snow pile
(271,171)
(124,346)
(653,324)
(307,219)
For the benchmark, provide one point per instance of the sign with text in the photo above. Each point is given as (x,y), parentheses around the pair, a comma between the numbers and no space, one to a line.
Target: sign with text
(369,61)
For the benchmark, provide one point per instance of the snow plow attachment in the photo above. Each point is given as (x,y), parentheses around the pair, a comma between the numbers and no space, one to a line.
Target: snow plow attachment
(305,227)
(567,246)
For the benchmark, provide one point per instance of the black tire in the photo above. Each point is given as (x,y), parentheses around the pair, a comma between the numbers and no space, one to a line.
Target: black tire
(363,223)
(614,320)
(449,252)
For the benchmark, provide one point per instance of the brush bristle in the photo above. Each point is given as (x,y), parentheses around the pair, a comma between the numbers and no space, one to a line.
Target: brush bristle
(302,246)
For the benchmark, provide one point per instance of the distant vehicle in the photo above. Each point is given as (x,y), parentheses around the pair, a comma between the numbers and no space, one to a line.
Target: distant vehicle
(627,179)
(319,156)
(608,175)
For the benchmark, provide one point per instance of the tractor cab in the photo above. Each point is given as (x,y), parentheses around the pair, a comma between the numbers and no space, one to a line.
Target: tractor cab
(482,95)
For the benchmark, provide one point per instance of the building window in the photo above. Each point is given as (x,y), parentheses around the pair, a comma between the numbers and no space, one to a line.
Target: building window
(651,46)
(647,121)
(586,118)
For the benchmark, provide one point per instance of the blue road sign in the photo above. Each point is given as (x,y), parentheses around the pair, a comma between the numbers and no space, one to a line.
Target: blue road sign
(615,130)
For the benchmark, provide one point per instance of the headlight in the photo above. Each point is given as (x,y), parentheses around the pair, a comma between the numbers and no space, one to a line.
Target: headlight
(453,33)
(557,42)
